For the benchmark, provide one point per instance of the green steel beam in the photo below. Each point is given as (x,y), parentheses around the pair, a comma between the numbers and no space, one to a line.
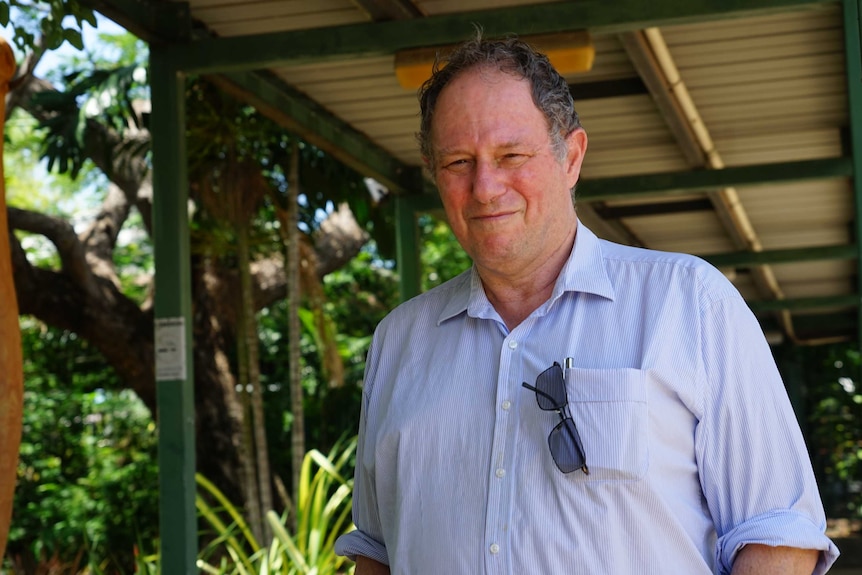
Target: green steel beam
(687,182)
(426,202)
(814,326)
(173,324)
(824,325)
(853,58)
(759,306)
(149,21)
(786,256)
(316,125)
(372,39)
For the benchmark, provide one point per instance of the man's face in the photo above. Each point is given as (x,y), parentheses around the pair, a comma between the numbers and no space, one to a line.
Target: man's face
(505,192)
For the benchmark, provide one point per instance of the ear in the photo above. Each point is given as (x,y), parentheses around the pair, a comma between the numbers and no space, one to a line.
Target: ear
(577,149)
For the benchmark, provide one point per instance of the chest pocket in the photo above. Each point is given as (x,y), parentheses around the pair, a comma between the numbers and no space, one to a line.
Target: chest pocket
(609,407)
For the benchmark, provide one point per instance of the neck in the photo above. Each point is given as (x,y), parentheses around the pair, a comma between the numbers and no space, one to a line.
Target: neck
(516,296)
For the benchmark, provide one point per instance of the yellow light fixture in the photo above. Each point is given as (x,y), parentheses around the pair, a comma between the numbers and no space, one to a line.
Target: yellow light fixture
(569,52)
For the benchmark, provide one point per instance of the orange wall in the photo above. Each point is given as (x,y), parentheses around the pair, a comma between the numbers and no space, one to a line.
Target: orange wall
(11,377)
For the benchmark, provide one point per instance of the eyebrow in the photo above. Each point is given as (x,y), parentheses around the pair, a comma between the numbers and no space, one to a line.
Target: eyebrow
(512,144)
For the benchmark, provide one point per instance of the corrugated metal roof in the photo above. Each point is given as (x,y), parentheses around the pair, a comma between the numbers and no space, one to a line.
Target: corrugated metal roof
(768,89)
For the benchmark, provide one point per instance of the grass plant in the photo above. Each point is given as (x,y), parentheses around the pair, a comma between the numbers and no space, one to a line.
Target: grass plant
(321,514)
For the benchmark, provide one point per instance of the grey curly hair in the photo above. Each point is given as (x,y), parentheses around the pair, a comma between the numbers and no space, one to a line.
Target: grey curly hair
(512,56)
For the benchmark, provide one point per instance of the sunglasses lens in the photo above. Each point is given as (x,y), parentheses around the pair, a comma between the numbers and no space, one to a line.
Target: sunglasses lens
(550,383)
(566,447)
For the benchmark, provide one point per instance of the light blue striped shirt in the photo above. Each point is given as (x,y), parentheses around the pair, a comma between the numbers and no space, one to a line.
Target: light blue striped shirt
(692,445)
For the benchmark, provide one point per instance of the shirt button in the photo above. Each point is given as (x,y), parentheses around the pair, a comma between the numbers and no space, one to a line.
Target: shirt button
(513,344)
(500,472)
(506,405)
(494,548)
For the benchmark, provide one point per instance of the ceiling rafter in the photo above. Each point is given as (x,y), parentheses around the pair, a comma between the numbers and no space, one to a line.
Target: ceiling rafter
(807,303)
(674,183)
(669,183)
(295,47)
(148,20)
(744,259)
(381,10)
(306,118)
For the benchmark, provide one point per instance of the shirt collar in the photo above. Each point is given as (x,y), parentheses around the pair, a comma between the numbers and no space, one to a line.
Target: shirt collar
(584,271)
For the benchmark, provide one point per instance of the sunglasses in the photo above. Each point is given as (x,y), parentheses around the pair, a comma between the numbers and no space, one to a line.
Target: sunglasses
(564,441)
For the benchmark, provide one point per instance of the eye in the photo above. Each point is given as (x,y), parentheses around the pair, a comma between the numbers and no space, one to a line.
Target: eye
(457,165)
(513,159)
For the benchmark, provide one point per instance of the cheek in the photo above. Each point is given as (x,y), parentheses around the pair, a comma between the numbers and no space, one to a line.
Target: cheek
(454,193)
(546,195)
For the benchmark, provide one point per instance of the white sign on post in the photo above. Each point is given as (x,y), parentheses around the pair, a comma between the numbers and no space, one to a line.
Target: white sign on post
(170,349)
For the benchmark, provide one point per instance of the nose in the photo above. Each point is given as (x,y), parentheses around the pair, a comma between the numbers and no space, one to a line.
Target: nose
(488,183)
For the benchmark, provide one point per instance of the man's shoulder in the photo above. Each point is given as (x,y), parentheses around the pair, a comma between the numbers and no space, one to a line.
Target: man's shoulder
(680,266)
(430,305)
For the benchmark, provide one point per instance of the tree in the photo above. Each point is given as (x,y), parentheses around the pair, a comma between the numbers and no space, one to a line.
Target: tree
(86,294)
(86,483)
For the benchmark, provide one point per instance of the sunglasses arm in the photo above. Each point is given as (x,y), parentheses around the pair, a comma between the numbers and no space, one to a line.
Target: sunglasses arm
(539,392)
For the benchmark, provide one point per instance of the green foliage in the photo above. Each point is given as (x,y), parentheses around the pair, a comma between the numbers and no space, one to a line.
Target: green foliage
(102,95)
(360,294)
(321,515)
(28,184)
(134,260)
(87,470)
(442,257)
(46,19)
(357,298)
(835,427)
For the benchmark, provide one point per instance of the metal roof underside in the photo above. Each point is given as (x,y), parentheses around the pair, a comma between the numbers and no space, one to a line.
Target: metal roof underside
(721,128)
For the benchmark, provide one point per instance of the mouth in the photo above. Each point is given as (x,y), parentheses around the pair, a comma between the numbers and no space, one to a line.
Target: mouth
(489,218)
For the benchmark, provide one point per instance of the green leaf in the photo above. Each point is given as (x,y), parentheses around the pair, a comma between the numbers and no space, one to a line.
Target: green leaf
(4,14)
(74,38)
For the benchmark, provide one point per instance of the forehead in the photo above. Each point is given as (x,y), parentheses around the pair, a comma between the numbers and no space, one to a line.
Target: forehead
(485,81)
(483,98)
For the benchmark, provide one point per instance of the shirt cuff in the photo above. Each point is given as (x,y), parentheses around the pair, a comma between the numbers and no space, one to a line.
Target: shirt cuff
(783,528)
(358,543)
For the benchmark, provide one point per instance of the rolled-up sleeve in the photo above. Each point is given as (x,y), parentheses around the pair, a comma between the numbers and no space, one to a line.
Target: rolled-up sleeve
(755,470)
(778,528)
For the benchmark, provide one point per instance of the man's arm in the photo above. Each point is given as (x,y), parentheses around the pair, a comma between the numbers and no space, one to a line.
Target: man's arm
(765,560)
(366,566)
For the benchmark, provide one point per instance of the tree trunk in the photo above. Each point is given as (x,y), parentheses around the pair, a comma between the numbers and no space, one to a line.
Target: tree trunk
(11,374)
(253,512)
(221,457)
(248,335)
(297,429)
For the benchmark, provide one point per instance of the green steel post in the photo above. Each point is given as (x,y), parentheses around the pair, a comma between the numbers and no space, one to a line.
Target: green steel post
(407,247)
(173,325)
(853,55)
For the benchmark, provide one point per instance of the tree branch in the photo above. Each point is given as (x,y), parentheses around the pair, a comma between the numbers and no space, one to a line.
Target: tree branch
(101,237)
(123,160)
(62,235)
(18,87)
(338,240)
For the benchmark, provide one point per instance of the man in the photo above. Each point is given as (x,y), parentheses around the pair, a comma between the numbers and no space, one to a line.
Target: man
(568,405)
